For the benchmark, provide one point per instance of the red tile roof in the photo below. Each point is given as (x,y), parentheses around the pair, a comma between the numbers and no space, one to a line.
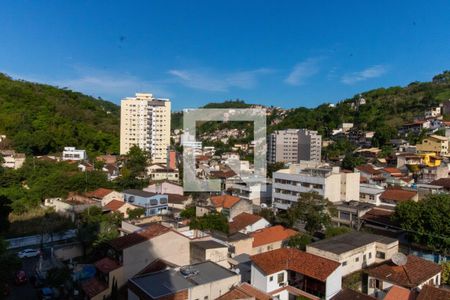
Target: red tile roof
(348,294)
(415,272)
(106,265)
(225,201)
(392,170)
(243,220)
(153,230)
(245,291)
(271,234)
(99,193)
(114,205)
(429,292)
(399,293)
(379,216)
(444,182)
(397,194)
(369,169)
(93,287)
(175,198)
(295,260)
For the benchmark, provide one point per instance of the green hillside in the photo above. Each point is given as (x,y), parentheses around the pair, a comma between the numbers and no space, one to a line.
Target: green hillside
(42,119)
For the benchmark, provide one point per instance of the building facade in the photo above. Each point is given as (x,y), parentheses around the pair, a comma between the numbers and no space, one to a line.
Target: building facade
(294,145)
(145,122)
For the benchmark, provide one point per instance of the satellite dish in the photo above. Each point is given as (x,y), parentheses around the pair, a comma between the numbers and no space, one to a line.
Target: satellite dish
(399,259)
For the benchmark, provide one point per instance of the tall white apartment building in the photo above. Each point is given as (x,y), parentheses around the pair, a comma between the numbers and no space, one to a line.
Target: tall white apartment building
(294,145)
(328,182)
(145,122)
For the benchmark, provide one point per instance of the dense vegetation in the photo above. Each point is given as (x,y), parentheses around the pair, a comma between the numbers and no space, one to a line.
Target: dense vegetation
(41,119)
(427,222)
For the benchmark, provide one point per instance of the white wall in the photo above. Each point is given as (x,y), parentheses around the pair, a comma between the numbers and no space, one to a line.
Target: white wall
(333,283)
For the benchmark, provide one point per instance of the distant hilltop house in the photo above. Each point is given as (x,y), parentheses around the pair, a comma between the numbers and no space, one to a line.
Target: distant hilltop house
(12,159)
(71,153)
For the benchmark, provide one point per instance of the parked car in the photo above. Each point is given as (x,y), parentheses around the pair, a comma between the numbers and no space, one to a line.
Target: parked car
(28,253)
(21,277)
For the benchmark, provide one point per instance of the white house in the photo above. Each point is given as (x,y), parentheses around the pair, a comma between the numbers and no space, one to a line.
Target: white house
(71,153)
(288,272)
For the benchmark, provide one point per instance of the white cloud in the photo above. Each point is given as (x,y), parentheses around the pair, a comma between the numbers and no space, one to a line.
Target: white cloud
(303,70)
(368,73)
(210,81)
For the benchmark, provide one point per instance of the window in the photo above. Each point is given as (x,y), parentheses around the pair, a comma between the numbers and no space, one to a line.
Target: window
(271,278)
(205,298)
(280,277)
(381,255)
(344,263)
(357,259)
(370,255)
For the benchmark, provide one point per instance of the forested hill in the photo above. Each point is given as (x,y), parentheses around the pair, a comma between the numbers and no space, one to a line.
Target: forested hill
(42,119)
(385,110)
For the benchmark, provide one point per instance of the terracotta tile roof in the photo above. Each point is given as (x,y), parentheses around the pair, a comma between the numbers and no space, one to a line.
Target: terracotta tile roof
(429,292)
(348,294)
(379,216)
(225,201)
(399,293)
(99,193)
(369,169)
(245,291)
(392,170)
(415,272)
(175,198)
(271,234)
(295,292)
(222,174)
(397,194)
(106,265)
(444,182)
(93,287)
(114,205)
(243,220)
(295,260)
(153,230)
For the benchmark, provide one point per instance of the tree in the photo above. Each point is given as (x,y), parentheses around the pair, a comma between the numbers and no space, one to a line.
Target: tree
(312,210)
(188,212)
(135,213)
(446,272)
(137,161)
(267,214)
(427,222)
(351,160)
(273,168)
(211,221)
(334,231)
(299,241)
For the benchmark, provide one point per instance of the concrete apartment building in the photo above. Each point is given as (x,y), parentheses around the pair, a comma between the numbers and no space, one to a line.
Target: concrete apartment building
(434,143)
(294,145)
(355,250)
(145,122)
(327,181)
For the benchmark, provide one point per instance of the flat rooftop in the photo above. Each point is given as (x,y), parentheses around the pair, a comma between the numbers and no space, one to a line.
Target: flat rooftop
(349,241)
(168,282)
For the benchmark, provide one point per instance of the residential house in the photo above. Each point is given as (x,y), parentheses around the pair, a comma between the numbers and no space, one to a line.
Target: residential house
(271,238)
(119,206)
(72,205)
(12,159)
(154,204)
(429,174)
(349,294)
(380,219)
(238,242)
(442,182)
(415,128)
(247,223)
(108,273)
(134,251)
(349,213)
(178,202)
(107,159)
(256,193)
(104,195)
(411,272)
(165,187)
(209,250)
(205,280)
(229,206)
(429,292)
(355,250)
(287,272)
(165,174)
(435,144)
(329,182)
(370,193)
(392,196)
(245,291)
(396,292)
(71,153)
(368,171)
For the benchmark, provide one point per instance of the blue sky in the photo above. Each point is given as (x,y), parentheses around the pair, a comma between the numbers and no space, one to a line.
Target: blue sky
(283,53)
